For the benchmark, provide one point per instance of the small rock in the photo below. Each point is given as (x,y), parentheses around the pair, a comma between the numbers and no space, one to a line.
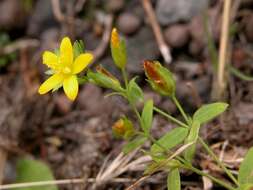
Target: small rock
(177,35)
(13,14)
(196,29)
(63,103)
(128,23)
(171,11)
(244,113)
(141,46)
(195,48)
(115,5)
(92,100)
(41,18)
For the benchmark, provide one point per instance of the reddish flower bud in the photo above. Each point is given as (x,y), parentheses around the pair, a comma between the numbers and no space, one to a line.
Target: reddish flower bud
(160,78)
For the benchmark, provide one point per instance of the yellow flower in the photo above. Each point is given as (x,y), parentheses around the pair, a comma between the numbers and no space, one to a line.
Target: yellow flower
(65,69)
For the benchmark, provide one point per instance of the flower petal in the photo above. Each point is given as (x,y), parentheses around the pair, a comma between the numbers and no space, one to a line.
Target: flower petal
(81,62)
(66,52)
(50,59)
(70,87)
(50,83)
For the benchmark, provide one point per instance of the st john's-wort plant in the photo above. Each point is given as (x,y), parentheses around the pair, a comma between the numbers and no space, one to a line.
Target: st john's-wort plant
(174,150)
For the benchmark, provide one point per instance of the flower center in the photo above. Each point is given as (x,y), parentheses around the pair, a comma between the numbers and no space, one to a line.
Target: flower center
(66,70)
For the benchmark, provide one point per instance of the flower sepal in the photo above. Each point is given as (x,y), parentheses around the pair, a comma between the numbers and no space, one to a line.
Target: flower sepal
(104,79)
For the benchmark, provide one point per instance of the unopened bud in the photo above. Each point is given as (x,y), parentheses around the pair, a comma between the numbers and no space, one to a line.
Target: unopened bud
(118,49)
(104,79)
(115,41)
(160,78)
(123,128)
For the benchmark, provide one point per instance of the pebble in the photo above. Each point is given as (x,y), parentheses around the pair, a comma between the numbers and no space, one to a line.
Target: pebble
(177,35)
(13,15)
(128,23)
(141,46)
(171,11)
(115,5)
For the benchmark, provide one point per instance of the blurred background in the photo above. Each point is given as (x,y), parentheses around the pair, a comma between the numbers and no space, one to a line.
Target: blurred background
(75,138)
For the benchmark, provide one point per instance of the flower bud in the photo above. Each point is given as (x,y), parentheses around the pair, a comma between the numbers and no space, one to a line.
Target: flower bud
(160,78)
(118,50)
(104,79)
(123,128)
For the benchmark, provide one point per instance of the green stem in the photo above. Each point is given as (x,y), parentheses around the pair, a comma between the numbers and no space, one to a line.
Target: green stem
(180,109)
(173,119)
(220,182)
(211,153)
(124,74)
(188,165)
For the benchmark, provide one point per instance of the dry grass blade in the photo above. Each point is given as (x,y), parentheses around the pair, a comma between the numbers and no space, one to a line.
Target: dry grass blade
(164,49)
(119,165)
(221,81)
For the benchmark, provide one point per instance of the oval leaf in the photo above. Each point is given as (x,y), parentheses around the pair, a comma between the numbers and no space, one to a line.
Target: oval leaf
(173,180)
(170,139)
(135,93)
(246,169)
(147,116)
(29,170)
(207,112)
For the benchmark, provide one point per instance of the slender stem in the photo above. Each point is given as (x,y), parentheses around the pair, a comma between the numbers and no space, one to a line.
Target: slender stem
(173,119)
(124,74)
(211,153)
(180,109)
(220,182)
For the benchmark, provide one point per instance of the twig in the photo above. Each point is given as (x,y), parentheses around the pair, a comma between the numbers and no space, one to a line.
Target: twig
(79,5)
(223,48)
(164,49)
(19,44)
(100,49)
(62,18)
(194,93)
(133,186)
(3,156)
(59,182)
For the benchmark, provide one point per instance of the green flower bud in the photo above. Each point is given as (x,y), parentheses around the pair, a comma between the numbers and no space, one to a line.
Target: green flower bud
(160,78)
(123,128)
(104,79)
(118,50)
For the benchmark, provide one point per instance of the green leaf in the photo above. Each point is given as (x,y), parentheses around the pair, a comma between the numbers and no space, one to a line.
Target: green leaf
(245,187)
(170,139)
(192,138)
(133,144)
(135,93)
(239,74)
(173,180)
(78,48)
(209,111)
(29,170)
(246,168)
(147,116)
